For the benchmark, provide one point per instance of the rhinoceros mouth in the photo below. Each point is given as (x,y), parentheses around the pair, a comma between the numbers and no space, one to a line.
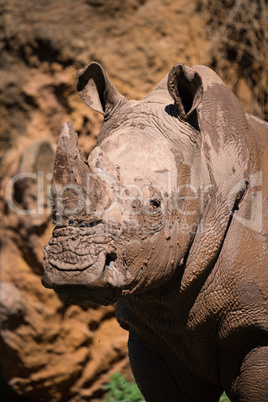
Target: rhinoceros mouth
(83,287)
(82,265)
(89,275)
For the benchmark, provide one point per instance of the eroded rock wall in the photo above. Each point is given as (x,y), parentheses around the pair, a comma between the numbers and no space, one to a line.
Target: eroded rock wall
(51,351)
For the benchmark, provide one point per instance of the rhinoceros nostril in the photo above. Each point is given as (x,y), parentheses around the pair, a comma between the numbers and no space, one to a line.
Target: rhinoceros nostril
(110,257)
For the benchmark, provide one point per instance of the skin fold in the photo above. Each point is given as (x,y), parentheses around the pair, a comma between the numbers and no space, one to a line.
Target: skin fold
(168,218)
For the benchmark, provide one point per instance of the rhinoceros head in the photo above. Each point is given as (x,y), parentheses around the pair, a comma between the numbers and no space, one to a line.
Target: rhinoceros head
(128,216)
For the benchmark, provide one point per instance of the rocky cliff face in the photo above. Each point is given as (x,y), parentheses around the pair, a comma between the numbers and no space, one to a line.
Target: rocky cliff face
(51,351)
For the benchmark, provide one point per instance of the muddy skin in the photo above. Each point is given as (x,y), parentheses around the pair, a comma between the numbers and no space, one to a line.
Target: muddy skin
(167,217)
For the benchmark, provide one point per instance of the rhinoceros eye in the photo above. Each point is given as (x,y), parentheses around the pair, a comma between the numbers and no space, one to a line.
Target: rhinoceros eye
(154,205)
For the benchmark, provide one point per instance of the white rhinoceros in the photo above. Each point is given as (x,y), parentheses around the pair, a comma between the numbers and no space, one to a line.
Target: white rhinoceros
(167,217)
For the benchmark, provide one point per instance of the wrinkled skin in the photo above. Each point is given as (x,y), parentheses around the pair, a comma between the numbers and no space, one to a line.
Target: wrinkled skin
(167,217)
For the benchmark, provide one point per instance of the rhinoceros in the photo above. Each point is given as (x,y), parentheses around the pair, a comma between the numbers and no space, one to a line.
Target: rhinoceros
(167,218)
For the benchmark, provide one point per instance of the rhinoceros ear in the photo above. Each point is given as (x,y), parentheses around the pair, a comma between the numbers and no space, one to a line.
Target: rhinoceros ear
(185,87)
(97,91)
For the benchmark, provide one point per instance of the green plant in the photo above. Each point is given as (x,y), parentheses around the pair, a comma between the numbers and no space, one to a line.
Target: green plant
(122,390)
(224,398)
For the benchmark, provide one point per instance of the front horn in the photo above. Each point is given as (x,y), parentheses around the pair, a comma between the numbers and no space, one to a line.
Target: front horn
(71,178)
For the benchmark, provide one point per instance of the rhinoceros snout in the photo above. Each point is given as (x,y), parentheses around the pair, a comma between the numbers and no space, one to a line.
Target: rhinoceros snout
(78,284)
